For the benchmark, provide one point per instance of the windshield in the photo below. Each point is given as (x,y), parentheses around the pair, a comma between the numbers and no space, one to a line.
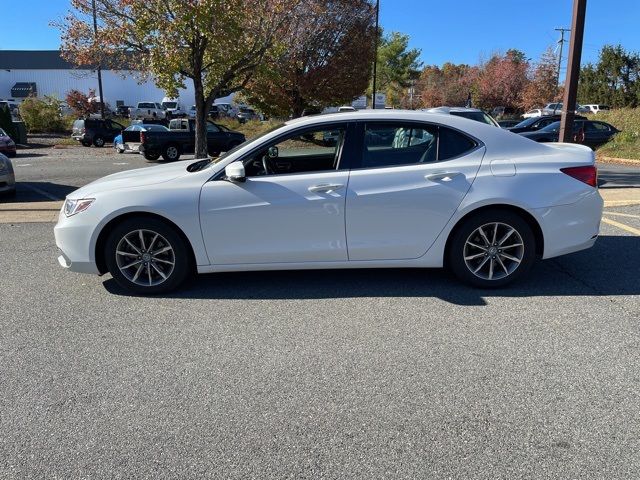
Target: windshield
(3,133)
(155,128)
(555,127)
(526,122)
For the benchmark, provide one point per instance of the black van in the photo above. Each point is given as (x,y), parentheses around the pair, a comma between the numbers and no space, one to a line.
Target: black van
(95,131)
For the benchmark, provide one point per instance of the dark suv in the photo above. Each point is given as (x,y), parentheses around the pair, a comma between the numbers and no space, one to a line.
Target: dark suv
(95,131)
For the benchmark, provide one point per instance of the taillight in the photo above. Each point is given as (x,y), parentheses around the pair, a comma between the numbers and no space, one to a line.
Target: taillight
(587,174)
(141,137)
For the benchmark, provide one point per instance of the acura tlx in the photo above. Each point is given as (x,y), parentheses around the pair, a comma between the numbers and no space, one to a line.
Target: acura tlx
(370,189)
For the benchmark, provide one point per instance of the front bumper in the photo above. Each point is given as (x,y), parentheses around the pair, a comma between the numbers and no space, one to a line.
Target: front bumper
(74,240)
(571,228)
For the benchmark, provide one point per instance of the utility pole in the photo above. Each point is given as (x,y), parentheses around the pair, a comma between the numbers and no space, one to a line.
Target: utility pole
(573,71)
(561,42)
(95,37)
(375,57)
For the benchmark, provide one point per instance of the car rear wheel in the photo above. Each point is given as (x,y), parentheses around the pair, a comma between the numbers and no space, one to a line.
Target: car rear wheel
(171,153)
(492,249)
(147,256)
(98,141)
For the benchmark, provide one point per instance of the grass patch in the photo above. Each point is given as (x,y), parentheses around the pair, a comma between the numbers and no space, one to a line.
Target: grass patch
(625,144)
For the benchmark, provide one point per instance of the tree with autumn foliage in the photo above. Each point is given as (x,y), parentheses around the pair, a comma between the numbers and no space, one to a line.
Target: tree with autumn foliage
(502,80)
(449,85)
(80,103)
(327,60)
(219,45)
(543,87)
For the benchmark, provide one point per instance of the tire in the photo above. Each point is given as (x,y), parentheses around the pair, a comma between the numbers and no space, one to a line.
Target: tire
(85,143)
(171,152)
(468,250)
(146,277)
(98,141)
(151,157)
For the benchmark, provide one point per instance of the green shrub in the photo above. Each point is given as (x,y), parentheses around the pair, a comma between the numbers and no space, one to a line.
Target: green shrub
(625,144)
(42,115)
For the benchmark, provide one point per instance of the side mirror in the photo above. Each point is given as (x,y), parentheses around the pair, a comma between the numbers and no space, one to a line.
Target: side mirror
(235,172)
(273,152)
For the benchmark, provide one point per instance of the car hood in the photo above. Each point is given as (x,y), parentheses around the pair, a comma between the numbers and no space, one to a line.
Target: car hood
(139,177)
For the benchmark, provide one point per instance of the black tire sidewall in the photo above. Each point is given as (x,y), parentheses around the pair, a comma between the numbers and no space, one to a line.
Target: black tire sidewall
(166,156)
(183,265)
(456,251)
(151,157)
(97,140)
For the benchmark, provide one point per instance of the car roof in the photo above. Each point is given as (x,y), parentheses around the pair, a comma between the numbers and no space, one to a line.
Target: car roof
(451,109)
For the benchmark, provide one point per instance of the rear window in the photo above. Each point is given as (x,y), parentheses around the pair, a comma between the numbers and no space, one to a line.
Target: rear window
(477,116)
(146,105)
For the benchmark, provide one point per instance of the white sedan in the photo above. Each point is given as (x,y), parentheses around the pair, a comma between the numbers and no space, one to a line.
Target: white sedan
(536,112)
(370,189)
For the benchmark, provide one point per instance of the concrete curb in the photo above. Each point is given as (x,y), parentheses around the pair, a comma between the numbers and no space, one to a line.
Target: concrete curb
(619,161)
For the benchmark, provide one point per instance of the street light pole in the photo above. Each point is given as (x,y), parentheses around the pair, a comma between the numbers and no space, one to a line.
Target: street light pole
(375,57)
(573,71)
(95,37)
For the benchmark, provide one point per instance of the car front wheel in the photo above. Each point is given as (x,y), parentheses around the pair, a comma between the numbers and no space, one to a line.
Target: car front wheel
(492,249)
(147,256)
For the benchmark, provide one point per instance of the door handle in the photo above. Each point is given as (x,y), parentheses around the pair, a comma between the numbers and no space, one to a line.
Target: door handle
(325,187)
(442,176)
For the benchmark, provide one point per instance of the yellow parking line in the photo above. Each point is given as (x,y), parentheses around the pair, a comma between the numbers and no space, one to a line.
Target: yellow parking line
(622,226)
(621,214)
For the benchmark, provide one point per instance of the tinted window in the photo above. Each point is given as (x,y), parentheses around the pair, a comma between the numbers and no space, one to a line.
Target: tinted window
(388,145)
(526,122)
(597,126)
(453,144)
(146,105)
(156,128)
(212,128)
(477,116)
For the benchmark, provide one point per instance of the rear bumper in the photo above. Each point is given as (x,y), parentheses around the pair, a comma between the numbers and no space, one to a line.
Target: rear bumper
(571,228)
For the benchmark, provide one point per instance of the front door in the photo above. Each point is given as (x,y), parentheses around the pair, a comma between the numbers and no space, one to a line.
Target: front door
(290,209)
(410,181)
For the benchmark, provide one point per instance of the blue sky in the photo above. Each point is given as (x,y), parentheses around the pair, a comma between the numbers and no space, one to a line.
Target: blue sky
(460,31)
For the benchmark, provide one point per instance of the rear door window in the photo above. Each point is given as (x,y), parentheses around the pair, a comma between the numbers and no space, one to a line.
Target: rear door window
(393,144)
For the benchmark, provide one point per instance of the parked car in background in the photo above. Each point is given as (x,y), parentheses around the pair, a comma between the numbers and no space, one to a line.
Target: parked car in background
(172,107)
(180,138)
(7,177)
(287,200)
(245,114)
(7,145)
(13,106)
(226,110)
(552,108)
(536,123)
(95,131)
(585,132)
(536,112)
(147,110)
(346,108)
(595,108)
(508,123)
(129,139)
(123,111)
(465,112)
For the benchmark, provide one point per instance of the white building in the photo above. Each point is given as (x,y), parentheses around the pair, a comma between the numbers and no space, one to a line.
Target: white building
(54,76)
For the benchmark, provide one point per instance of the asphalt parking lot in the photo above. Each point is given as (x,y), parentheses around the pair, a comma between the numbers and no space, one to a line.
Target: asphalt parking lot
(320,374)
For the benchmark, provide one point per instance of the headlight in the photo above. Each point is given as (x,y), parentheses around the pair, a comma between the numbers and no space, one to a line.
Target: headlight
(71,207)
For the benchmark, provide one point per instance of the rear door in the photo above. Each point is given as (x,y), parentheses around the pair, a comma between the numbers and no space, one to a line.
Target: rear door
(410,180)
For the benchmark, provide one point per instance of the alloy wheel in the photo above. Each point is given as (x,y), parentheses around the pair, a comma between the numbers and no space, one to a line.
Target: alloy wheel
(494,251)
(145,258)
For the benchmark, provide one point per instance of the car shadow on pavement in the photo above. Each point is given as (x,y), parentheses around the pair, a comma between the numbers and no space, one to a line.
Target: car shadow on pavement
(27,192)
(613,179)
(610,268)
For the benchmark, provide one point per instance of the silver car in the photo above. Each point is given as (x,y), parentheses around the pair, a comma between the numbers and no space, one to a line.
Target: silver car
(7,177)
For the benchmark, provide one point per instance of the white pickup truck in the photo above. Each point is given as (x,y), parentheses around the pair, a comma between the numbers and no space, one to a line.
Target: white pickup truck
(147,111)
